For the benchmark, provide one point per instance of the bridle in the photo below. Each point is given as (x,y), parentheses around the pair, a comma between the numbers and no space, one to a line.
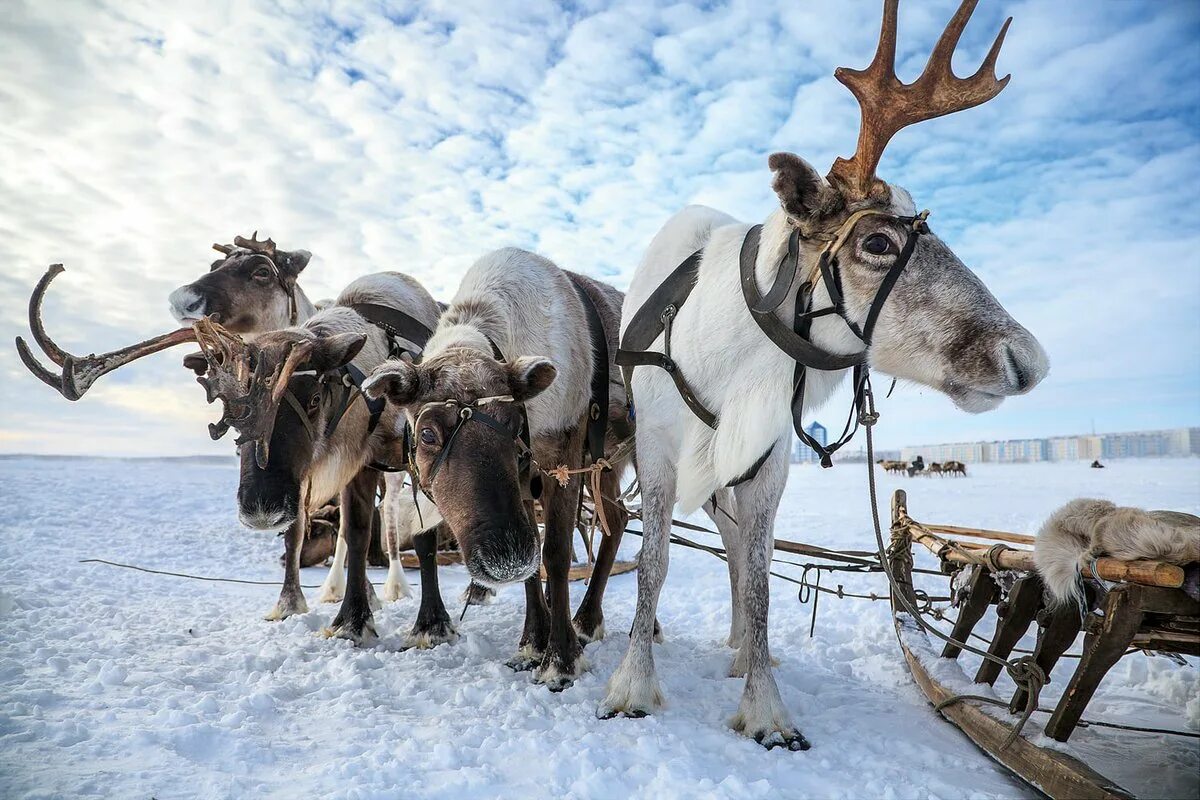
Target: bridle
(796,341)
(657,314)
(466,413)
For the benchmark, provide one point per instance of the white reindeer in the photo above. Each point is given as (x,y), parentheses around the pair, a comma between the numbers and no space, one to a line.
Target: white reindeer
(940,327)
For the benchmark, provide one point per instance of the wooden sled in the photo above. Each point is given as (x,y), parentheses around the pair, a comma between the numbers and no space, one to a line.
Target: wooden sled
(1147,609)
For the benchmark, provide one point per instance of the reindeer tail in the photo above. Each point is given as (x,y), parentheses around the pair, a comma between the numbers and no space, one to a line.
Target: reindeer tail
(1065,541)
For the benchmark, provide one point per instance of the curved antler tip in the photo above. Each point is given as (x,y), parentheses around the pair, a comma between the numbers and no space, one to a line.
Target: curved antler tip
(55,269)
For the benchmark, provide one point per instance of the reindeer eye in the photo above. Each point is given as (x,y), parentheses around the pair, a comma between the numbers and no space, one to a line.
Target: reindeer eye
(262,274)
(428,436)
(314,402)
(878,245)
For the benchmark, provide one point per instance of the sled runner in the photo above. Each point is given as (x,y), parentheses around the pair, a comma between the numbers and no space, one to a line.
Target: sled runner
(1144,608)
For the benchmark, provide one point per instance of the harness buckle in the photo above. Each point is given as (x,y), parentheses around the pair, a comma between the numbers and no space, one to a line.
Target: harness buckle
(466,413)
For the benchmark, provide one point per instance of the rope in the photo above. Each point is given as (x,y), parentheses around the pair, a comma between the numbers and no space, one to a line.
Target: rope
(1024,671)
(189,576)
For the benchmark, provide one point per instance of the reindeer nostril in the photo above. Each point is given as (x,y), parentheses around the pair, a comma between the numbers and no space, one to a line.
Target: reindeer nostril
(1020,374)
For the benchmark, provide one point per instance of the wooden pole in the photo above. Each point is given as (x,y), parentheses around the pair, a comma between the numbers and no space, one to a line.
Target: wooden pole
(1145,573)
(982,533)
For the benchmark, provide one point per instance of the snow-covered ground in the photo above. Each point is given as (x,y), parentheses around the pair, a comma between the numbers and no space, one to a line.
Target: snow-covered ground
(115,683)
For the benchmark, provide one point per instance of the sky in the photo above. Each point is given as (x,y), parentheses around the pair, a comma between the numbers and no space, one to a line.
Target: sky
(417,137)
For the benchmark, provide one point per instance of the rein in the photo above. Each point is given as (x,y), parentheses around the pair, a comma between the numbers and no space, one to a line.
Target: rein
(656,315)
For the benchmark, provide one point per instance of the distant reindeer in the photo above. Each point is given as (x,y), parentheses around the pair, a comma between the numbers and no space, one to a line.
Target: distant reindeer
(899,284)
(954,468)
(894,467)
(933,469)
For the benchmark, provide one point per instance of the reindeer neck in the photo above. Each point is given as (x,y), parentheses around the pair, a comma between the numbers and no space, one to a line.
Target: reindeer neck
(305,308)
(471,323)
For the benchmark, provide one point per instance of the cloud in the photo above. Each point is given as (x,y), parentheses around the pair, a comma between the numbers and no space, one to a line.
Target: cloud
(417,139)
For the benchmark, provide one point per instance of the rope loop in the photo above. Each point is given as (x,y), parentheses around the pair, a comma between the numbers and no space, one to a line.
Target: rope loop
(993,556)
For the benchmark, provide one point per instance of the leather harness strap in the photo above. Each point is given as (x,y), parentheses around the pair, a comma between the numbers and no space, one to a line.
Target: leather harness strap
(799,349)
(597,416)
(395,323)
(655,316)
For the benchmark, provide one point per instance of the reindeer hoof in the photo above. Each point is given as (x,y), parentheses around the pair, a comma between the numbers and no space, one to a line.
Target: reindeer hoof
(430,636)
(589,630)
(556,674)
(527,658)
(791,740)
(286,607)
(630,694)
(332,593)
(362,634)
(394,590)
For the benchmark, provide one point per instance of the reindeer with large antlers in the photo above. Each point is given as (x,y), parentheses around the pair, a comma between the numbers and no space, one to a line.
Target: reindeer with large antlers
(854,277)
(305,432)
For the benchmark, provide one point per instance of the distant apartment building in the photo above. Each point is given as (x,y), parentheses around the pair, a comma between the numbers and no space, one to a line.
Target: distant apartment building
(1138,444)
(802,453)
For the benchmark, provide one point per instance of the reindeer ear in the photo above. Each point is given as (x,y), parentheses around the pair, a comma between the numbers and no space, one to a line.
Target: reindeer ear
(802,191)
(396,380)
(292,262)
(529,376)
(336,351)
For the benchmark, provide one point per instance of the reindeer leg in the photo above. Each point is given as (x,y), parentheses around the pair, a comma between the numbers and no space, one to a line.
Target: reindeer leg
(633,690)
(589,619)
(396,586)
(291,598)
(563,660)
(722,510)
(334,587)
(761,715)
(433,625)
(354,620)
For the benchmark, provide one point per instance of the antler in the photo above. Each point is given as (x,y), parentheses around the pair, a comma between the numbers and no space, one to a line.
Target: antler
(888,105)
(266,247)
(78,374)
(223,248)
(250,395)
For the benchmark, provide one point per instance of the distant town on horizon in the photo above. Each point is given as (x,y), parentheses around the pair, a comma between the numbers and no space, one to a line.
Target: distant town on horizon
(1169,443)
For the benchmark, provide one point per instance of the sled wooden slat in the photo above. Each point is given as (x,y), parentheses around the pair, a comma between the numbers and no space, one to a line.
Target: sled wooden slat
(1055,773)
(983,533)
(1052,772)
(1145,573)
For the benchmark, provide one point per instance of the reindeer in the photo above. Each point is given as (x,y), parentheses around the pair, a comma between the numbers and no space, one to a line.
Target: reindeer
(251,290)
(934,468)
(839,242)
(512,359)
(306,434)
(893,467)
(954,468)
(254,289)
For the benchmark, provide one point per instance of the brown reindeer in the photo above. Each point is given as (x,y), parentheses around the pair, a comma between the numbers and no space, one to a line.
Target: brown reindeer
(250,290)
(893,467)
(513,359)
(294,397)
(954,468)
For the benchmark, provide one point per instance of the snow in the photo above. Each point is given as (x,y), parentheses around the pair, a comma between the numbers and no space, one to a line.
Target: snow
(115,683)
